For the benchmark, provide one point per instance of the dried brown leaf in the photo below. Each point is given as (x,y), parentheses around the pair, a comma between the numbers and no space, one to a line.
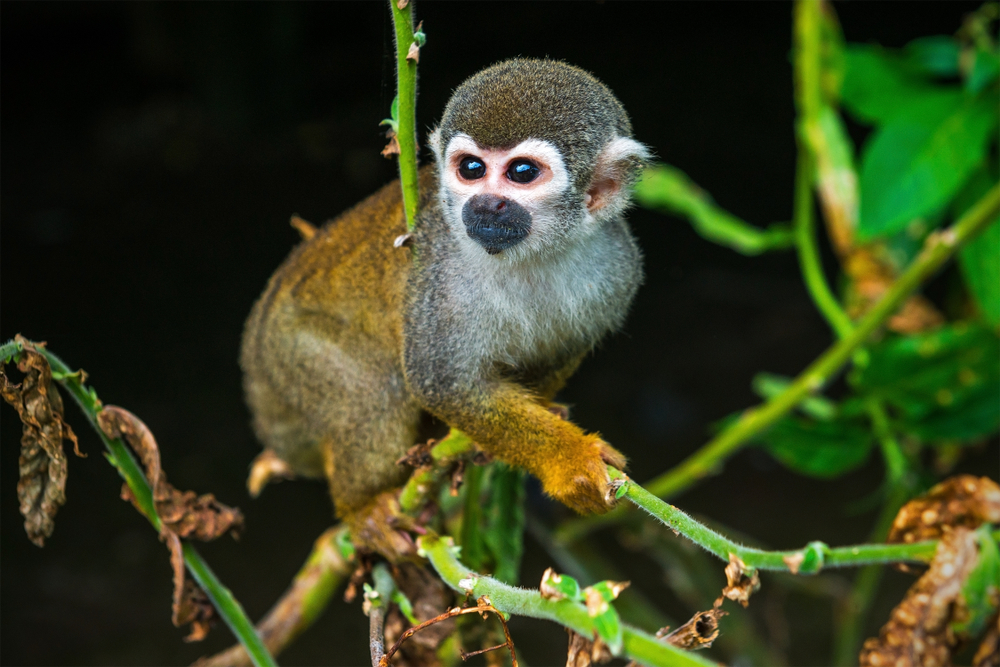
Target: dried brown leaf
(413,53)
(401,4)
(391,148)
(181,513)
(583,652)
(988,653)
(739,585)
(41,488)
(963,500)
(919,632)
(698,633)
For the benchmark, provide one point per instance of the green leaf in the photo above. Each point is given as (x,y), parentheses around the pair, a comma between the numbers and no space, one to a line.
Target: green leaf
(942,385)
(980,589)
(668,189)
(609,629)
(558,586)
(936,55)
(817,448)
(984,70)
(980,259)
(473,544)
(879,84)
(916,163)
(504,534)
(405,606)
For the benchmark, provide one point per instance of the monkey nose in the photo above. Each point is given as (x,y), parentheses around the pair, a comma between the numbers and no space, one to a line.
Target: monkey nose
(495,223)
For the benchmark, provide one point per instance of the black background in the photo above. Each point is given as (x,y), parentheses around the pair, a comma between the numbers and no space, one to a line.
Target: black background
(152,154)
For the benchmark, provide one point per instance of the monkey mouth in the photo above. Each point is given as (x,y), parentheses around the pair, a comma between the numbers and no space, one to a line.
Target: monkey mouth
(495,223)
(496,239)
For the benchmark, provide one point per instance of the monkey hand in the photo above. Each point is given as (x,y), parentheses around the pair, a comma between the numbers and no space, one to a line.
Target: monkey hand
(583,483)
(379,527)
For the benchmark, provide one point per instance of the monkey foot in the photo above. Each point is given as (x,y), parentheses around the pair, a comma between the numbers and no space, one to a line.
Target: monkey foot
(267,467)
(379,527)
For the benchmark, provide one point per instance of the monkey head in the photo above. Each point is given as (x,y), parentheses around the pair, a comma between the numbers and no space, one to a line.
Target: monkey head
(532,155)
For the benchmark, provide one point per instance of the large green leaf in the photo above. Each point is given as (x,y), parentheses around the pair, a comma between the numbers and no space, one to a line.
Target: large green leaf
(818,448)
(880,84)
(980,259)
(917,162)
(942,385)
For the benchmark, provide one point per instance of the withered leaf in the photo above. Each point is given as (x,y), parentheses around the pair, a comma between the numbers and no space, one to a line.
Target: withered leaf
(391,148)
(988,653)
(698,633)
(963,500)
(920,629)
(413,53)
(181,513)
(742,581)
(41,488)
(583,652)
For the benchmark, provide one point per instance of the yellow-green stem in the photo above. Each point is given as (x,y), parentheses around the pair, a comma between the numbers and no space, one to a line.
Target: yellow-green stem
(406,91)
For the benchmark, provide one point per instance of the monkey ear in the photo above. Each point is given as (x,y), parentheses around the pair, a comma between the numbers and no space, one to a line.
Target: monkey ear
(616,168)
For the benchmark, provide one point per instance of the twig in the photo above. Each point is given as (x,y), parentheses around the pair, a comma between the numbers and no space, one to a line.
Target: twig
(311,590)
(119,455)
(425,480)
(406,93)
(638,645)
(377,602)
(808,560)
(938,248)
(482,607)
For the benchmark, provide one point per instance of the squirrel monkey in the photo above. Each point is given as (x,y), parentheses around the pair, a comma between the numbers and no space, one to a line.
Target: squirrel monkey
(521,262)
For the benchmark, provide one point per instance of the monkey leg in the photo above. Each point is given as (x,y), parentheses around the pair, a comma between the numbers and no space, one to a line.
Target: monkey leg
(513,425)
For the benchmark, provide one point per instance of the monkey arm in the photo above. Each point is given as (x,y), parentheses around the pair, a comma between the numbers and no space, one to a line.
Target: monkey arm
(515,425)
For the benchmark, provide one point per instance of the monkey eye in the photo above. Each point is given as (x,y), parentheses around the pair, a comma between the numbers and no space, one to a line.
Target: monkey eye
(522,171)
(472,168)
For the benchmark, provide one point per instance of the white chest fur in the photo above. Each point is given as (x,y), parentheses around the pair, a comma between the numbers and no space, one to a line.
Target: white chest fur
(531,310)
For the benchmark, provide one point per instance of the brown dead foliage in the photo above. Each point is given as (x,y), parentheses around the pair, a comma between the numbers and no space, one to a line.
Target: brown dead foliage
(919,630)
(988,653)
(698,633)
(391,148)
(41,488)
(583,652)
(430,598)
(181,514)
(740,586)
(963,500)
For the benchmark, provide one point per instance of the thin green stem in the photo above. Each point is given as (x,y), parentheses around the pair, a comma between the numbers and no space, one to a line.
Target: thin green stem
(638,645)
(120,456)
(809,261)
(938,248)
(425,480)
(808,560)
(406,91)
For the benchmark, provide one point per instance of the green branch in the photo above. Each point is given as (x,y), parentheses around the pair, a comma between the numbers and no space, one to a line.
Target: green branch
(406,96)
(938,248)
(424,481)
(808,560)
(637,645)
(119,455)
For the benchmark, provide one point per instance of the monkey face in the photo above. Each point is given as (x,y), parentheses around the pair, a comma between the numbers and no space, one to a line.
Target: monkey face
(503,200)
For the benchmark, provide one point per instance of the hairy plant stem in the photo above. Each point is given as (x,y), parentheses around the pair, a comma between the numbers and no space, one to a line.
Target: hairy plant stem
(638,645)
(424,481)
(938,248)
(119,455)
(406,91)
(809,560)
(384,587)
(329,563)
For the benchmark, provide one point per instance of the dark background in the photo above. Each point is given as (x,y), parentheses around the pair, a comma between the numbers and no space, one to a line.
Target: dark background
(152,155)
